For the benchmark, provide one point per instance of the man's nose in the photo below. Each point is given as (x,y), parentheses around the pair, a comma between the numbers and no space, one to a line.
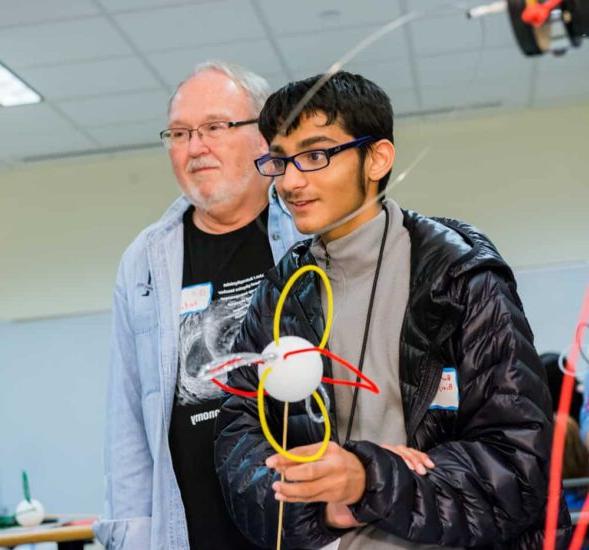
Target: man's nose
(196,145)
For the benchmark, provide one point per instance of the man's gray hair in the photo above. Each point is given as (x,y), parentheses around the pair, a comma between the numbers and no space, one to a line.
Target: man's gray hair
(255,86)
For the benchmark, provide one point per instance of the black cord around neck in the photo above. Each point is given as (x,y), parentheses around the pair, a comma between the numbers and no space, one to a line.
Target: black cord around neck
(368,318)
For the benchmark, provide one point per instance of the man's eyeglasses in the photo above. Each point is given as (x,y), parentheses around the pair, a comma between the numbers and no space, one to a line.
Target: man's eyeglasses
(173,137)
(307,161)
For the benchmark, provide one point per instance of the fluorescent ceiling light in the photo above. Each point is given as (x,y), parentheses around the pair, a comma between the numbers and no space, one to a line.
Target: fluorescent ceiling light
(13,91)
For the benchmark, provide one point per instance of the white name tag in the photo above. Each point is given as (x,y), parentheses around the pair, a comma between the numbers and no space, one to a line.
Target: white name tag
(196,298)
(447,395)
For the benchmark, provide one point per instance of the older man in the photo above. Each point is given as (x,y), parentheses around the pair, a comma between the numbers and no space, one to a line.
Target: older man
(183,287)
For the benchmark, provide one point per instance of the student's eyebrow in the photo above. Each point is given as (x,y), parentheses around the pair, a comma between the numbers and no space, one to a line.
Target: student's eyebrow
(304,144)
(308,142)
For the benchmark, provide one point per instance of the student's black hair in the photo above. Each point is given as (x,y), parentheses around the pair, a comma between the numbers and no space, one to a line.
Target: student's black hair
(360,107)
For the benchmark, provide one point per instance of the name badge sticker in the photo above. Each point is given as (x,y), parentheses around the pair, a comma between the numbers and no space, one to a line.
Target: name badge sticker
(196,298)
(447,397)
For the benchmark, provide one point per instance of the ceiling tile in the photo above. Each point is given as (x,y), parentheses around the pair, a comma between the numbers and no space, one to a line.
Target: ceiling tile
(510,93)
(562,79)
(276,80)
(497,31)
(176,65)
(193,25)
(403,101)
(310,15)
(117,109)
(574,60)
(90,79)
(564,84)
(139,133)
(449,33)
(447,69)
(26,12)
(45,142)
(391,75)
(79,60)
(124,5)
(440,7)
(60,43)
(30,119)
(316,52)
(503,63)
(471,67)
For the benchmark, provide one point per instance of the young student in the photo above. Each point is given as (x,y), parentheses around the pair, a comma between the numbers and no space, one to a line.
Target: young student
(428,309)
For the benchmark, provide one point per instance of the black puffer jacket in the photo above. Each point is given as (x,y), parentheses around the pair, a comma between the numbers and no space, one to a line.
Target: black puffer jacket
(488,489)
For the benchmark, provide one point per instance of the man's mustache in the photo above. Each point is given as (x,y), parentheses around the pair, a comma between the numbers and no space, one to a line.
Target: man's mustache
(201,162)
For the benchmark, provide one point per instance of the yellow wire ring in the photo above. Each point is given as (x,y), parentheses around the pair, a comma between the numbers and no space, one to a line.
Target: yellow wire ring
(275,445)
(283,295)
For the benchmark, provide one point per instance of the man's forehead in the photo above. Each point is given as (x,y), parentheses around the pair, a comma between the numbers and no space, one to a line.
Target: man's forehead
(209,96)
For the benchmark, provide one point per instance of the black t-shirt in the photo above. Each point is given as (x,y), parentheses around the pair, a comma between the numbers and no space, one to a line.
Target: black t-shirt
(221,273)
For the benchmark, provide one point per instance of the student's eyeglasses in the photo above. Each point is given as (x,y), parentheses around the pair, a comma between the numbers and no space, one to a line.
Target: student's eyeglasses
(306,161)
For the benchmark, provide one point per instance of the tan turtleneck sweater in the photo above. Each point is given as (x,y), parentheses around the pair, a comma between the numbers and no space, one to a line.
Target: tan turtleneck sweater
(350,263)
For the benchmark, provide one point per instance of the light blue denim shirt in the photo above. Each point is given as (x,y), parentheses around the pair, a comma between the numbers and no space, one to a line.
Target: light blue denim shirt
(143,504)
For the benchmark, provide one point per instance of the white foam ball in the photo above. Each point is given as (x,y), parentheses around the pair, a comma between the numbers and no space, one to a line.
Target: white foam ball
(29,514)
(296,377)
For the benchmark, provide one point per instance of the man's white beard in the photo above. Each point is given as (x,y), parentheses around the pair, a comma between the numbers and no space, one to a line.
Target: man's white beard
(224,192)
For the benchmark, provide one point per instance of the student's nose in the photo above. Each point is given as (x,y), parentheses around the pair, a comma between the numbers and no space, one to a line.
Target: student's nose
(292,179)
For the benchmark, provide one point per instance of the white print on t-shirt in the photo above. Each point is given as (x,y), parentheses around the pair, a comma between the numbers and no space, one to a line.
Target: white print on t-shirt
(208,334)
(447,397)
(201,417)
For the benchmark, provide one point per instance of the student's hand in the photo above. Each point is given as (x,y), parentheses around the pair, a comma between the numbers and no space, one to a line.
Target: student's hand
(338,476)
(339,516)
(415,460)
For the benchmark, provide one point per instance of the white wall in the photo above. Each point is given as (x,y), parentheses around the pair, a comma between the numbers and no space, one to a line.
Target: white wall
(52,397)
(521,177)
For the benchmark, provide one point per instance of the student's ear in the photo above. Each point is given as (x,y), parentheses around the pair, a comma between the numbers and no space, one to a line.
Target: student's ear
(379,160)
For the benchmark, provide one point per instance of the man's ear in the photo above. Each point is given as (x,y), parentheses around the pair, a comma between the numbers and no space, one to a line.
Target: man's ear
(379,160)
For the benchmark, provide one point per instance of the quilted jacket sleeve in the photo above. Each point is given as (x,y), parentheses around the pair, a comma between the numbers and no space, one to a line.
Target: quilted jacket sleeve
(241,450)
(489,484)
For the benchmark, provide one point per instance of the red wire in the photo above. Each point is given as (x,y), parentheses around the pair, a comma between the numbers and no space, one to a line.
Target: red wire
(370,385)
(580,531)
(234,391)
(229,389)
(579,534)
(556,459)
